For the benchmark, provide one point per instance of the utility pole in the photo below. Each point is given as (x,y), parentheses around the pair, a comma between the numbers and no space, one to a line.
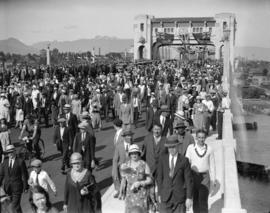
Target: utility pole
(48,55)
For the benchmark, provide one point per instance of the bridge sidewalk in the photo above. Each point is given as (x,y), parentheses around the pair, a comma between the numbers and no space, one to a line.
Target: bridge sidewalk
(112,205)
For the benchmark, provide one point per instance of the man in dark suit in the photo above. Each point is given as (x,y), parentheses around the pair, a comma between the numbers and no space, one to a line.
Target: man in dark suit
(71,120)
(120,157)
(174,179)
(84,143)
(44,105)
(153,146)
(172,101)
(152,114)
(165,120)
(105,104)
(14,176)
(62,139)
(184,136)
(27,104)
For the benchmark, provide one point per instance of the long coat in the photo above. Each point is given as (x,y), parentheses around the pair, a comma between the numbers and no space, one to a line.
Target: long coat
(62,145)
(89,148)
(151,116)
(72,123)
(179,187)
(152,152)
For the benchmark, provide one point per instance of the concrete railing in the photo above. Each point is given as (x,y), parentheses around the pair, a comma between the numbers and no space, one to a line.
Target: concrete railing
(232,201)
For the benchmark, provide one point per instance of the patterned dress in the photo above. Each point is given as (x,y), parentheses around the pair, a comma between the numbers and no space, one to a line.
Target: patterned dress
(135,197)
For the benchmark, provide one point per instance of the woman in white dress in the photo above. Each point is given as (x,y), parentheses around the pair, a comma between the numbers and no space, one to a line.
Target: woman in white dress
(4,107)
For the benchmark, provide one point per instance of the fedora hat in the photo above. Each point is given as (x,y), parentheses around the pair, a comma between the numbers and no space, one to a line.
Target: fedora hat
(164,108)
(67,106)
(61,120)
(10,148)
(82,125)
(180,124)
(172,141)
(36,163)
(85,115)
(127,132)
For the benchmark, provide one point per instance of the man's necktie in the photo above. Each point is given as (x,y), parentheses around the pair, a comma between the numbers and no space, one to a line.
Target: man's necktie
(37,181)
(172,167)
(126,148)
(10,165)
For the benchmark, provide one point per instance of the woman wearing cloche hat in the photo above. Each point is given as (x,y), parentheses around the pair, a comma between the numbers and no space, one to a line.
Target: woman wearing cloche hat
(80,188)
(135,179)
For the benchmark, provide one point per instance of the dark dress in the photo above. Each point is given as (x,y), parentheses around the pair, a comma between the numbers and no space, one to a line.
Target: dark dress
(77,203)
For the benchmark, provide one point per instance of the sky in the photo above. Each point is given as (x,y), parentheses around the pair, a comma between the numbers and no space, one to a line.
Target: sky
(32,21)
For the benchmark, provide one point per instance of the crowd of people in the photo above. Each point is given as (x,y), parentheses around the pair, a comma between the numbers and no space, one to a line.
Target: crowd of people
(170,172)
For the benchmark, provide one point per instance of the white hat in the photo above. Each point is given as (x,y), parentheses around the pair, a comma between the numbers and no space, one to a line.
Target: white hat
(134,148)
(180,114)
(67,106)
(10,148)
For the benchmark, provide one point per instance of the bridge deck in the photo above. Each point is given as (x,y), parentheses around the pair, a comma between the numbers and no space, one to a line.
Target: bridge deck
(112,205)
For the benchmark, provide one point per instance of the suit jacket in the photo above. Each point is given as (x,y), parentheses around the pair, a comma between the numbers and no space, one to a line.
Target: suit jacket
(187,139)
(179,187)
(28,107)
(72,124)
(89,147)
(105,101)
(152,152)
(120,157)
(67,140)
(14,180)
(172,103)
(151,116)
(168,126)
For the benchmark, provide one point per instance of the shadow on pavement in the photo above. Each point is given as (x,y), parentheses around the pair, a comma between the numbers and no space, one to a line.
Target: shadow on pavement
(52,157)
(107,128)
(105,183)
(104,164)
(98,148)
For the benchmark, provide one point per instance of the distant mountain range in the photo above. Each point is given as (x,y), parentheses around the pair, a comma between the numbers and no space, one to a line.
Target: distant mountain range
(106,45)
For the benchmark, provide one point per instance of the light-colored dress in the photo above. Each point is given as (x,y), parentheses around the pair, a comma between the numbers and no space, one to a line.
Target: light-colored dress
(131,175)
(199,116)
(4,109)
(76,107)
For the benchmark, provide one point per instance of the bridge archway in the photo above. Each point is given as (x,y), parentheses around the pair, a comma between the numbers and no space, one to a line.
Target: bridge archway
(141,52)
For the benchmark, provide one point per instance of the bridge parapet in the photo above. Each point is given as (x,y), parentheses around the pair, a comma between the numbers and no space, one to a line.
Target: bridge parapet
(232,201)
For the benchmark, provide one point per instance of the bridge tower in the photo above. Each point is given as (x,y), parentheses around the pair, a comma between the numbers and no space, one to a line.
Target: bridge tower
(142,37)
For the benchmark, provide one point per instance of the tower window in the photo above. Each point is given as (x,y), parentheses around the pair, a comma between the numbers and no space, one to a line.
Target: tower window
(142,27)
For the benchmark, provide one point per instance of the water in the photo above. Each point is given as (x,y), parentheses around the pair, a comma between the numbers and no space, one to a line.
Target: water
(254,147)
